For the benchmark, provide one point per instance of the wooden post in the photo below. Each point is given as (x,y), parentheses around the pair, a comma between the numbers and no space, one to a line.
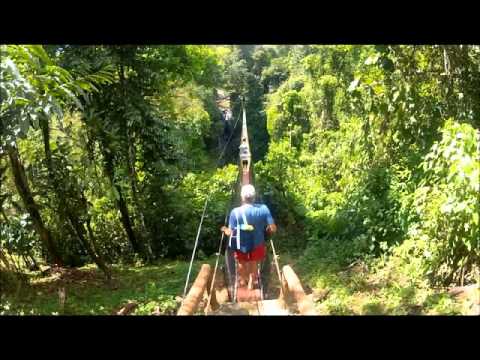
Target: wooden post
(304,303)
(194,296)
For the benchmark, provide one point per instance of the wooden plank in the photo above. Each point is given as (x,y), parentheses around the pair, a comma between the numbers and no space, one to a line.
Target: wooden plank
(246,295)
(275,307)
(256,308)
(272,307)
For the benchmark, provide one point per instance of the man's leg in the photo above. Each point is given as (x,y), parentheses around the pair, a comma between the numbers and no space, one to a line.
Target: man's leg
(242,273)
(252,272)
(257,255)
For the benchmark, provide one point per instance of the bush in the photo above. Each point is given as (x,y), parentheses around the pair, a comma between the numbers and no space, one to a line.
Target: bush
(185,206)
(446,204)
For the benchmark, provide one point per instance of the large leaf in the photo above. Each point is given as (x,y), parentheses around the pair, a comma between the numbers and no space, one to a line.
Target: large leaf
(40,52)
(353,85)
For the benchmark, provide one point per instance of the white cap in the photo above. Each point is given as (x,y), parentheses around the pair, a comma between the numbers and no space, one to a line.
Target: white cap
(247,192)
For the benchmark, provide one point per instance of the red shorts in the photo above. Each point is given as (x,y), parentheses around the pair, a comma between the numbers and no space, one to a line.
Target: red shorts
(256,254)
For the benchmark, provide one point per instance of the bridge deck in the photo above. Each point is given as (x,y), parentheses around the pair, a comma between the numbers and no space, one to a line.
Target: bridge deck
(262,307)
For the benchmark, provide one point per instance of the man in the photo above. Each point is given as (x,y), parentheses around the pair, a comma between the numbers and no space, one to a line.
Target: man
(246,229)
(228,115)
(244,151)
(226,124)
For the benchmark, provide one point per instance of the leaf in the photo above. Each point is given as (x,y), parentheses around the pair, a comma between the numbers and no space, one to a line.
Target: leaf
(72,97)
(446,208)
(24,126)
(21,101)
(372,59)
(40,52)
(396,94)
(64,74)
(34,121)
(353,85)
(116,195)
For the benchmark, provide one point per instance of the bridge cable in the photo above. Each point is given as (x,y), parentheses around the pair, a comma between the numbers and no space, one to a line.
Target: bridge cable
(205,208)
(220,248)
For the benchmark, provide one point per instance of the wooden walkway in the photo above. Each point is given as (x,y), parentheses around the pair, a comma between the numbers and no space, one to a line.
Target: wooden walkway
(294,302)
(263,307)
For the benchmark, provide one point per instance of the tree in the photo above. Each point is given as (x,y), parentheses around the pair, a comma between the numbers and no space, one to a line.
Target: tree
(31,99)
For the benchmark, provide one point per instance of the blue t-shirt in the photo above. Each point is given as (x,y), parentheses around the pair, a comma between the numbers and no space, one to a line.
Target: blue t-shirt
(257,215)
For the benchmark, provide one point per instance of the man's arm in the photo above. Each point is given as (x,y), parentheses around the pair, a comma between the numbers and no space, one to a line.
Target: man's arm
(231,224)
(271,227)
(226,230)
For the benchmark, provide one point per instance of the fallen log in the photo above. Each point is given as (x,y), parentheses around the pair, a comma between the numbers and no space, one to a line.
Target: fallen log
(304,302)
(195,295)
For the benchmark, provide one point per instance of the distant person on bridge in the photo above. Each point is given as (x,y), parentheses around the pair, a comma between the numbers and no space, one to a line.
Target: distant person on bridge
(246,229)
(244,151)
(226,117)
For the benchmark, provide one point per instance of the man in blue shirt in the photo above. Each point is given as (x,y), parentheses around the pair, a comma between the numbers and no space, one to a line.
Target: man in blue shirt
(246,230)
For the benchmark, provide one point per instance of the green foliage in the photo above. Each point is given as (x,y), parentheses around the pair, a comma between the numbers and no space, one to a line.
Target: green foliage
(185,207)
(104,133)
(17,237)
(353,147)
(150,287)
(242,80)
(34,86)
(287,116)
(363,160)
(446,204)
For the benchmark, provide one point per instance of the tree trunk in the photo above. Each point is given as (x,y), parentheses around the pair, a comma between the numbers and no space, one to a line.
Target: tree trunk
(125,217)
(108,167)
(4,215)
(133,184)
(79,231)
(120,201)
(32,208)
(131,157)
(77,226)
(4,260)
(34,262)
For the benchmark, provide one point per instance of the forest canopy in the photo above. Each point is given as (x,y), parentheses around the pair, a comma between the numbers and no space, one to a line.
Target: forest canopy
(362,152)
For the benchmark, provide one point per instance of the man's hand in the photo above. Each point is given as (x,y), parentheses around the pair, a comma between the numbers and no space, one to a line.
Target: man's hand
(226,230)
(271,229)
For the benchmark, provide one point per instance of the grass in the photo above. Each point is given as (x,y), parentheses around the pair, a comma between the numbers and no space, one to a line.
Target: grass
(364,289)
(150,286)
(372,289)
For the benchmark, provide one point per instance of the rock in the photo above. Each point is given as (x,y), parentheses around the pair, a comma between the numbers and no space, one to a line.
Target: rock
(320,294)
(475,310)
(127,308)
(464,292)
(308,290)
(45,270)
(156,311)
(469,296)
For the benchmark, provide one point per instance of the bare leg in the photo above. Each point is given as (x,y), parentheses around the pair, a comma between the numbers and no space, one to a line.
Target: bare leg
(252,274)
(255,273)
(242,273)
